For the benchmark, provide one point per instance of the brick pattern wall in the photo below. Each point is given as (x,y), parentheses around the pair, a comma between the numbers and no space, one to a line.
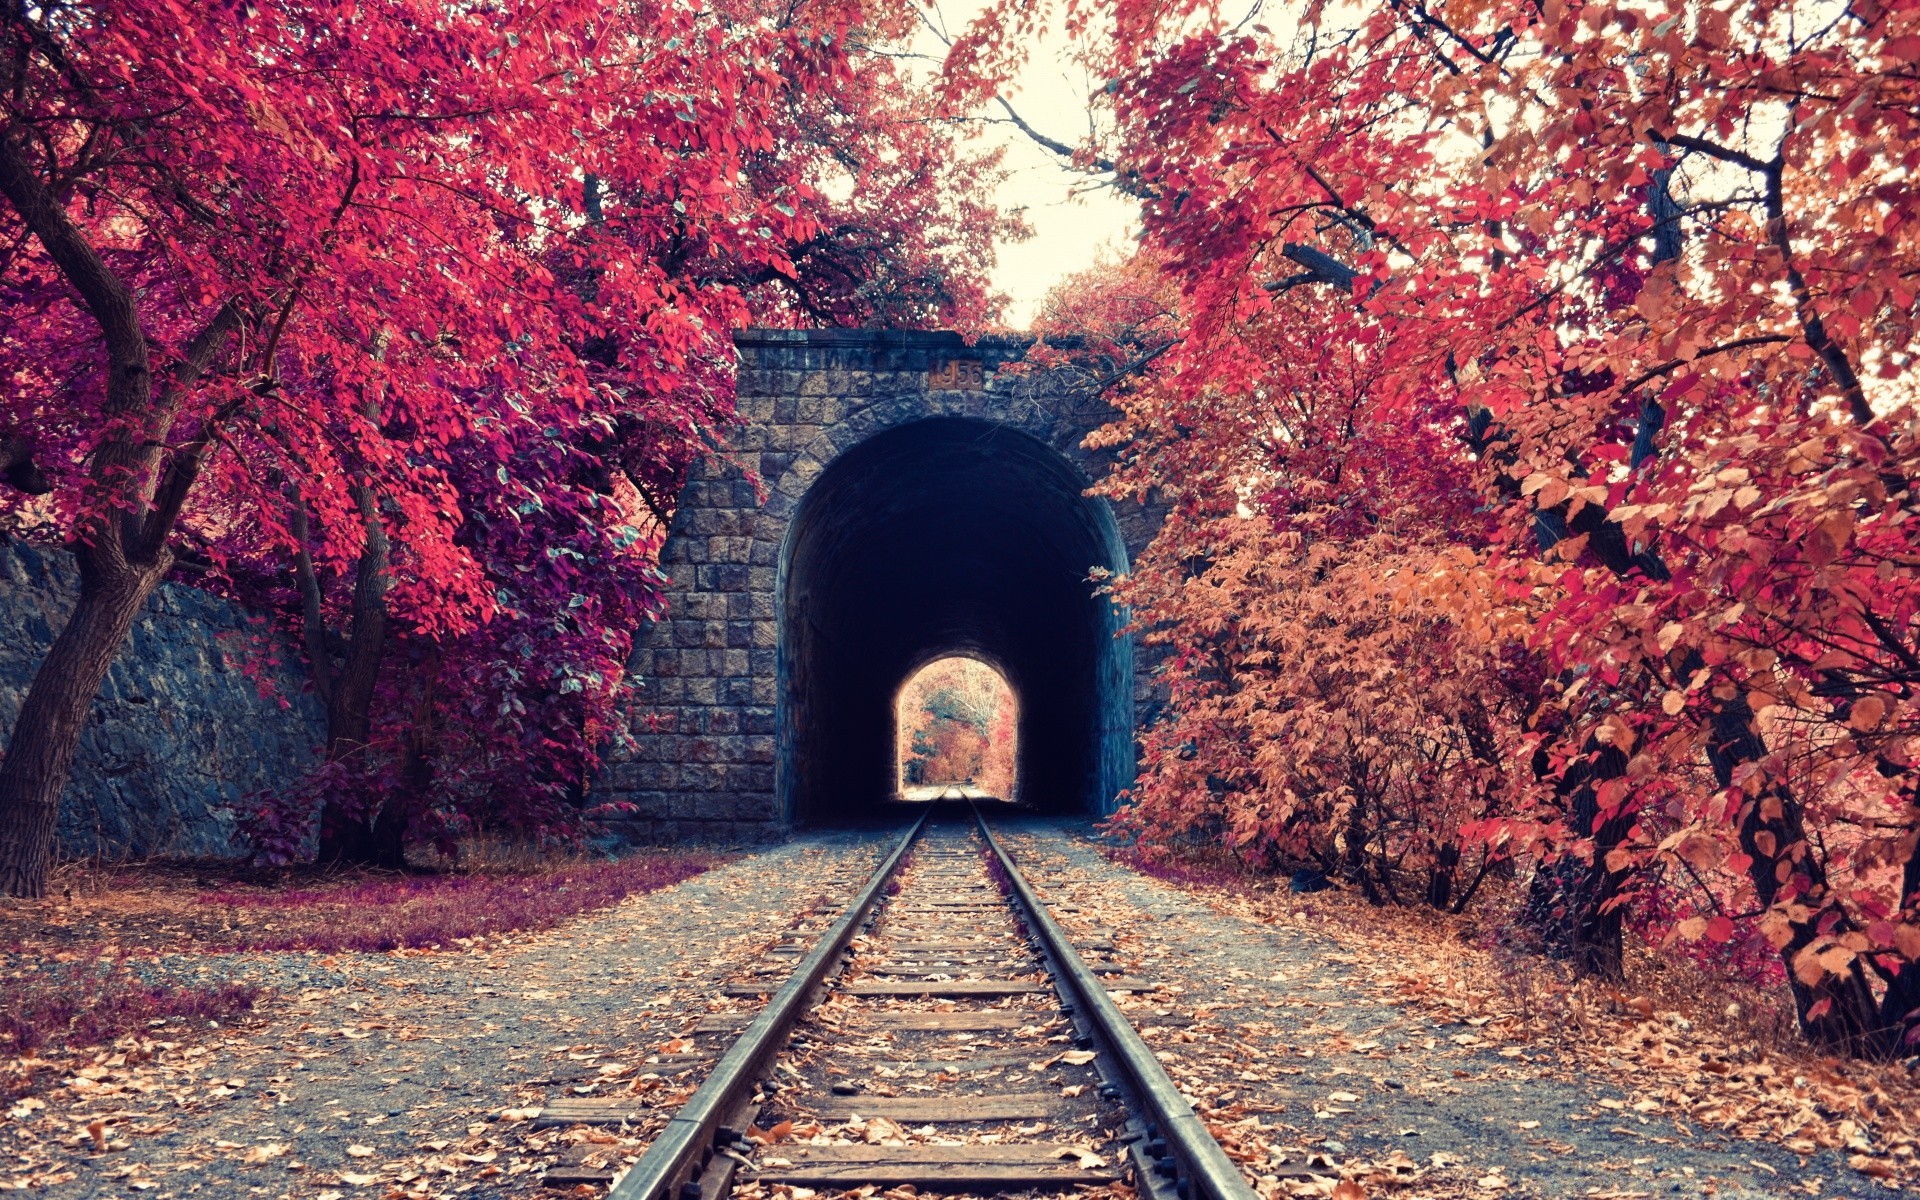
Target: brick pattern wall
(703,757)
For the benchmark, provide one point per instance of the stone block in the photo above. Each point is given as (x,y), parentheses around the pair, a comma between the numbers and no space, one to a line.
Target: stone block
(737,691)
(729,577)
(692,663)
(758,720)
(654,747)
(756,806)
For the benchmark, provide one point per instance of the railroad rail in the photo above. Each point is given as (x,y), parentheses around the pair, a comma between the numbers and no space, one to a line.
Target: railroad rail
(944,974)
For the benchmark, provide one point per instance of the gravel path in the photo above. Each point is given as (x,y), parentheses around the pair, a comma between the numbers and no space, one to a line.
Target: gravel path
(384,1075)
(1289,1043)
(409,1075)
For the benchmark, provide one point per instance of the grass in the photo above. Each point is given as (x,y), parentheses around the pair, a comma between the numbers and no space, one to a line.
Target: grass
(431,911)
(88,1002)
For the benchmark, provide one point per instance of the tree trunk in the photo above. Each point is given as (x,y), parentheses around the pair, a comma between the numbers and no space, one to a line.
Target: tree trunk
(47,733)
(1440,877)
(1575,905)
(1838,1012)
(144,479)
(347,837)
(1900,1010)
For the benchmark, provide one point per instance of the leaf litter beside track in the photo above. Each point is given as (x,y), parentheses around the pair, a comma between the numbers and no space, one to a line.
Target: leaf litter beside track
(1341,1011)
(432,1061)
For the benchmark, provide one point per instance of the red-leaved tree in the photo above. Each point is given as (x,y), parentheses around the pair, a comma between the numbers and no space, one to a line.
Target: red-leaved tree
(312,276)
(1555,361)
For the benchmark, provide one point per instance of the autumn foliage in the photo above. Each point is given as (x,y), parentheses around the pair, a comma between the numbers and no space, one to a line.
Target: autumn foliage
(956,724)
(406,320)
(1538,428)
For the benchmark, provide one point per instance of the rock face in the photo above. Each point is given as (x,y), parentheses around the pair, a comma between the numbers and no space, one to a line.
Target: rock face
(179,732)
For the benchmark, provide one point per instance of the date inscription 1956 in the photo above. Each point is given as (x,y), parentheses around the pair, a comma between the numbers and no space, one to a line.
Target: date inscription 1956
(958,374)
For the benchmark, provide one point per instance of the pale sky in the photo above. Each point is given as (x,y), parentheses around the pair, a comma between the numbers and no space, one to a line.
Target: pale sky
(1072,220)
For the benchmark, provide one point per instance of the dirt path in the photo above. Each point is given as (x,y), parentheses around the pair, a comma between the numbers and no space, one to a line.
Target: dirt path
(390,1080)
(1292,1052)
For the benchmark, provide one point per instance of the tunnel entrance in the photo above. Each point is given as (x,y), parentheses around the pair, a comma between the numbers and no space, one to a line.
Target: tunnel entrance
(955,726)
(944,537)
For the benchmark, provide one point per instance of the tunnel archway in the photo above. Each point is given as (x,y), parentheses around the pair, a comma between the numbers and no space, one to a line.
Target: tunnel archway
(939,537)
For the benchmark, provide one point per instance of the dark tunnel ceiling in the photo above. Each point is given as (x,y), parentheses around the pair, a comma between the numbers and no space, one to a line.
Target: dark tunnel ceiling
(939,537)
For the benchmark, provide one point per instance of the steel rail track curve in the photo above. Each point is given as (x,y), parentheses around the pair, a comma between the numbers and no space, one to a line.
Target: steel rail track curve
(1173,1154)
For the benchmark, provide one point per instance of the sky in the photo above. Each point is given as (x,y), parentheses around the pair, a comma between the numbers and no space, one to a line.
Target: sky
(1072,223)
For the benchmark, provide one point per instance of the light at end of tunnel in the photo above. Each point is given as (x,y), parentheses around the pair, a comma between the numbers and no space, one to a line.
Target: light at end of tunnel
(956,733)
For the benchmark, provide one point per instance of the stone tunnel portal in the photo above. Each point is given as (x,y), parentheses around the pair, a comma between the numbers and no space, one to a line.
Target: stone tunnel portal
(945,536)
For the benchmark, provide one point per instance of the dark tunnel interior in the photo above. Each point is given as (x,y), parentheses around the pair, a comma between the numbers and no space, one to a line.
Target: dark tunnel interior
(941,537)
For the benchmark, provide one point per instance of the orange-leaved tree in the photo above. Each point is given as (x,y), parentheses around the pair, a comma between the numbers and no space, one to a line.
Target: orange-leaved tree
(1640,281)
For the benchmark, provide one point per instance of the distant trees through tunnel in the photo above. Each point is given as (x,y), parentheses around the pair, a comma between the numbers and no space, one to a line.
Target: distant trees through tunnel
(939,538)
(954,723)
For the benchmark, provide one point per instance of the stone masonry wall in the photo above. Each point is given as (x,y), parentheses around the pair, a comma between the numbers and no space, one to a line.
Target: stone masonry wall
(706,722)
(178,733)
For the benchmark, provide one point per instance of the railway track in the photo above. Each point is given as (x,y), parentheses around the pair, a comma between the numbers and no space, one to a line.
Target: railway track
(938,1030)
